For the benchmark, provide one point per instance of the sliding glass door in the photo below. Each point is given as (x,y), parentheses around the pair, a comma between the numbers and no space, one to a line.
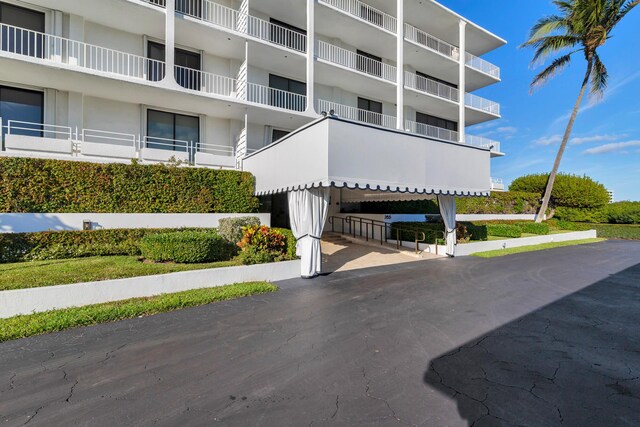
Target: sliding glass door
(25,108)
(171,131)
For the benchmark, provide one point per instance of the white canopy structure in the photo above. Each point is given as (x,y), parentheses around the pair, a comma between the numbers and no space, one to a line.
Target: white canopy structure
(372,164)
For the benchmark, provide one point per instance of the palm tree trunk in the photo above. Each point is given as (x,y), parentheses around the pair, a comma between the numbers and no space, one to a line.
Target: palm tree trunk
(563,146)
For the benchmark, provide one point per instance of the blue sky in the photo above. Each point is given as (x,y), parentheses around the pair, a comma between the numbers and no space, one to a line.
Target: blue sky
(605,142)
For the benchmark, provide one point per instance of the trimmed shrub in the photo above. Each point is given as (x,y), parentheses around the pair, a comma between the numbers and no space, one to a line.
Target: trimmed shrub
(624,213)
(186,247)
(49,245)
(56,186)
(570,191)
(231,228)
(596,215)
(609,231)
(262,244)
(534,228)
(510,202)
(504,230)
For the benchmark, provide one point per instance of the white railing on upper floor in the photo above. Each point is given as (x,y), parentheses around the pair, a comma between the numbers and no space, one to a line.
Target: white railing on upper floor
(218,150)
(107,137)
(432,87)
(363,11)
(481,141)
(497,184)
(42,130)
(430,42)
(355,61)
(160,3)
(357,114)
(482,65)
(431,131)
(275,97)
(36,45)
(479,103)
(209,83)
(276,34)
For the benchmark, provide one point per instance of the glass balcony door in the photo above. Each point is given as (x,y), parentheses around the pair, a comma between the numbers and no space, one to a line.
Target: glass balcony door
(22,40)
(22,105)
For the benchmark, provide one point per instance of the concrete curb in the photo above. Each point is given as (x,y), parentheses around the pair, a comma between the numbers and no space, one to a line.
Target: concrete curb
(27,301)
(475,247)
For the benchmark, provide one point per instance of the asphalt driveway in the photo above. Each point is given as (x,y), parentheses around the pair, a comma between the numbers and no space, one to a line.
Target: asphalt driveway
(542,339)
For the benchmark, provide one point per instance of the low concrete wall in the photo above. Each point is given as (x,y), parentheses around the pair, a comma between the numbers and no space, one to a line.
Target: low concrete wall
(32,222)
(475,247)
(27,301)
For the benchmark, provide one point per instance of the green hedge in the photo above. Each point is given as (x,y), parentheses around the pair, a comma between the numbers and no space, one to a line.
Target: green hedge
(624,213)
(55,186)
(465,231)
(570,191)
(510,202)
(187,247)
(596,215)
(504,230)
(608,231)
(73,244)
(534,228)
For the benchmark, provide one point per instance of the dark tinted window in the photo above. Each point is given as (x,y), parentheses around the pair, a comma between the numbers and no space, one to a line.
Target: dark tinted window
(277,134)
(436,121)
(183,59)
(24,106)
(366,107)
(369,63)
(170,131)
(291,39)
(22,40)
(287,100)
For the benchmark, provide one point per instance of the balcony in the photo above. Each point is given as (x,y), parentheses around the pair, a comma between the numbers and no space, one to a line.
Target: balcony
(431,87)
(483,66)
(480,141)
(231,19)
(356,114)
(364,12)
(353,61)
(482,104)
(430,42)
(25,139)
(497,185)
(431,131)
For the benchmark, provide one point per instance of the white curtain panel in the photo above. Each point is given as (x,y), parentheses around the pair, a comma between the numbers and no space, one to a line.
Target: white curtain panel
(448,211)
(308,213)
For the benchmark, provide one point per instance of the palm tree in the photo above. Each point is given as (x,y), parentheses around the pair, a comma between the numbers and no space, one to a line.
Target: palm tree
(581,26)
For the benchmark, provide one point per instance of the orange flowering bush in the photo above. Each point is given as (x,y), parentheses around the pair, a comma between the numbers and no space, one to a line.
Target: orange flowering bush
(261,244)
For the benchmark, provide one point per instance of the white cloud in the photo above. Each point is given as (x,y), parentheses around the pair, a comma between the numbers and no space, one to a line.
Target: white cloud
(548,140)
(612,147)
(595,138)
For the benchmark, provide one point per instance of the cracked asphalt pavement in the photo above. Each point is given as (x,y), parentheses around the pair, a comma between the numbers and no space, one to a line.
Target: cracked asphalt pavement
(540,339)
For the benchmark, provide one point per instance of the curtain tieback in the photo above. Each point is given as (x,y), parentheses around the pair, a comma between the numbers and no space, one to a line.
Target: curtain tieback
(310,236)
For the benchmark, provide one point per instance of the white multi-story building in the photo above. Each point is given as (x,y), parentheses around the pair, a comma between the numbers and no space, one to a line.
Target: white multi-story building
(208,82)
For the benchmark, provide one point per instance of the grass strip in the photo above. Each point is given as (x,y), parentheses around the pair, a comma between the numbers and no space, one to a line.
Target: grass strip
(36,274)
(58,320)
(534,248)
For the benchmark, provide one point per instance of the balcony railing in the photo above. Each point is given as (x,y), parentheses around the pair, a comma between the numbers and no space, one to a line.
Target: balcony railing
(357,114)
(160,3)
(365,12)
(431,87)
(430,42)
(497,184)
(19,41)
(480,141)
(276,97)
(354,61)
(206,82)
(478,103)
(216,14)
(431,131)
(481,65)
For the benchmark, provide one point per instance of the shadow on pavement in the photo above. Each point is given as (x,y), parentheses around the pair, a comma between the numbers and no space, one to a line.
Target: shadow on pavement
(573,362)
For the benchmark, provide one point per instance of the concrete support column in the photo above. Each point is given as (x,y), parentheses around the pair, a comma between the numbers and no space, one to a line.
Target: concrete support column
(400,65)
(170,42)
(76,32)
(462,86)
(311,48)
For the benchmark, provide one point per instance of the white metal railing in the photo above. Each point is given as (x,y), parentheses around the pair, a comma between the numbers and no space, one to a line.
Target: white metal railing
(365,12)
(430,42)
(107,137)
(497,184)
(432,87)
(161,3)
(431,131)
(42,130)
(275,97)
(357,114)
(20,41)
(166,144)
(355,61)
(482,65)
(276,34)
(480,141)
(483,104)
(219,150)
(202,81)
(209,11)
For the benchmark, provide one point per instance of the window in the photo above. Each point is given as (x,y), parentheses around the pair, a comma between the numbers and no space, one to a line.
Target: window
(24,106)
(369,111)
(287,35)
(285,93)
(187,63)
(371,15)
(277,134)
(436,121)
(369,63)
(23,39)
(189,7)
(170,131)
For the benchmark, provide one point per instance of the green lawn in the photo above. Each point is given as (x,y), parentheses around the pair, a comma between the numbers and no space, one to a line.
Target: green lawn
(533,248)
(35,274)
(58,320)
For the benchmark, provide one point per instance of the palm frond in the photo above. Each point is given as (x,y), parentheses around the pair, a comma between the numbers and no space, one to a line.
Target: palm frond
(548,25)
(623,11)
(599,77)
(554,68)
(546,46)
